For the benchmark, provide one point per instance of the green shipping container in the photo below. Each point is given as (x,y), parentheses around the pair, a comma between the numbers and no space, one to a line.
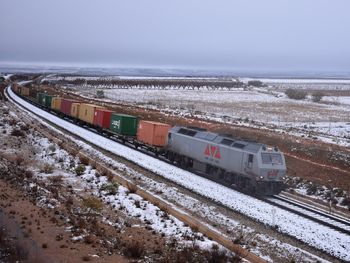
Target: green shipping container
(40,98)
(124,124)
(47,100)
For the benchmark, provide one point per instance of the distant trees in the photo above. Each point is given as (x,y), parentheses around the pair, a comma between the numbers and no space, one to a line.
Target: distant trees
(296,94)
(301,94)
(317,96)
(255,83)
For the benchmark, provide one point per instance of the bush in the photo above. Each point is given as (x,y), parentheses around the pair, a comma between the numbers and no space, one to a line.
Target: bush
(296,94)
(111,189)
(317,96)
(100,94)
(255,83)
(93,204)
(17,133)
(56,180)
(47,169)
(79,170)
(133,249)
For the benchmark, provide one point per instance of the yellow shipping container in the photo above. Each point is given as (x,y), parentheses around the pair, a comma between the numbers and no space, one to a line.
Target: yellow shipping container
(75,110)
(25,91)
(87,112)
(56,103)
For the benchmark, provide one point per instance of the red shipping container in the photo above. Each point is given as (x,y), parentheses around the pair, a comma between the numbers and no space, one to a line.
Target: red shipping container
(66,105)
(153,133)
(102,118)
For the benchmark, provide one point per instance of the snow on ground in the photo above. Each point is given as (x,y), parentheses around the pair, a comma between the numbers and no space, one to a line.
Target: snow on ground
(321,237)
(256,108)
(63,164)
(345,100)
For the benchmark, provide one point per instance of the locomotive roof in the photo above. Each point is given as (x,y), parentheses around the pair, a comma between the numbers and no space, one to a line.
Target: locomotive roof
(219,139)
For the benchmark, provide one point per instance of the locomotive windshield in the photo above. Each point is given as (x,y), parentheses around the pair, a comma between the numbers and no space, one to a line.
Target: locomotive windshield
(271,158)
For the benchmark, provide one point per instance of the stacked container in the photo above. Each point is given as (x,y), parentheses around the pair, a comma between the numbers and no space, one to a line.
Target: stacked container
(15,88)
(102,118)
(66,106)
(47,99)
(153,133)
(56,103)
(87,112)
(123,124)
(75,110)
(25,91)
(40,97)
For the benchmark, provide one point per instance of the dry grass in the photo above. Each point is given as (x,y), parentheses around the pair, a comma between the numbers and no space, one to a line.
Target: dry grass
(131,187)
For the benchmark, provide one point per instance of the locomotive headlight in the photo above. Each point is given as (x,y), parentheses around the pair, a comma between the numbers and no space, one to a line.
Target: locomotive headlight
(261,177)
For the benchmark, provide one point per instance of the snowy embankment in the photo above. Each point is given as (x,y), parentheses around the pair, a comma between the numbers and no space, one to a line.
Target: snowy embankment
(318,236)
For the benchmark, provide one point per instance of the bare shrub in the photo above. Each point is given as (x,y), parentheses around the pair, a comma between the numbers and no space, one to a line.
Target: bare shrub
(79,170)
(28,174)
(345,202)
(110,177)
(17,133)
(86,258)
(52,148)
(296,94)
(133,249)
(56,180)
(111,189)
(317,96)
(89,239)
(93,204)
(100,94)
(47,168)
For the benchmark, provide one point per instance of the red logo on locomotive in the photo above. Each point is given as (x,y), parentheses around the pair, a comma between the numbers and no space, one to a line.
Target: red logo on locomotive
(212,151)
(272,173)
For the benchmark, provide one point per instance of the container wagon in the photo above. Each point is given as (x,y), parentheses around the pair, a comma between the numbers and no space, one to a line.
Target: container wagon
(153,133)
(66,106)
(102,118)
(124,124)
(87,112)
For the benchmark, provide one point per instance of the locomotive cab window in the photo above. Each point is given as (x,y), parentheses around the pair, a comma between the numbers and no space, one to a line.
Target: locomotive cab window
(250,160)
(271,158)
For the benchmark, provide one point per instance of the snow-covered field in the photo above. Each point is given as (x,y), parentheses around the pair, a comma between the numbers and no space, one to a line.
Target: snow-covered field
(320,237)
(255,108)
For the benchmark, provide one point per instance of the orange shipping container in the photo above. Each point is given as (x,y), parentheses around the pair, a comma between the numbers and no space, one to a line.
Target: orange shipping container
(153,133)
(24,91)
(56,103)
(87,112)
(75,110)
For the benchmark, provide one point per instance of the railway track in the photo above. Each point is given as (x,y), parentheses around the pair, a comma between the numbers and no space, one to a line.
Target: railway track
(335,222)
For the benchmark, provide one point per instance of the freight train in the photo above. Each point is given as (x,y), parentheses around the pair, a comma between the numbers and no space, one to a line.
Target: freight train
(245,165)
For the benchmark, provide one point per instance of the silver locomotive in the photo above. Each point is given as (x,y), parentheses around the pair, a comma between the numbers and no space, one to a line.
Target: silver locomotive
(248,166)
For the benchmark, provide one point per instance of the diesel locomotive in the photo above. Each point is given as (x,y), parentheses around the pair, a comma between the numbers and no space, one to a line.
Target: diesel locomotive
(249,166)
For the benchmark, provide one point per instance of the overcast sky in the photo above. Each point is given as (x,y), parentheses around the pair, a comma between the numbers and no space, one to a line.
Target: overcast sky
(221,34)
